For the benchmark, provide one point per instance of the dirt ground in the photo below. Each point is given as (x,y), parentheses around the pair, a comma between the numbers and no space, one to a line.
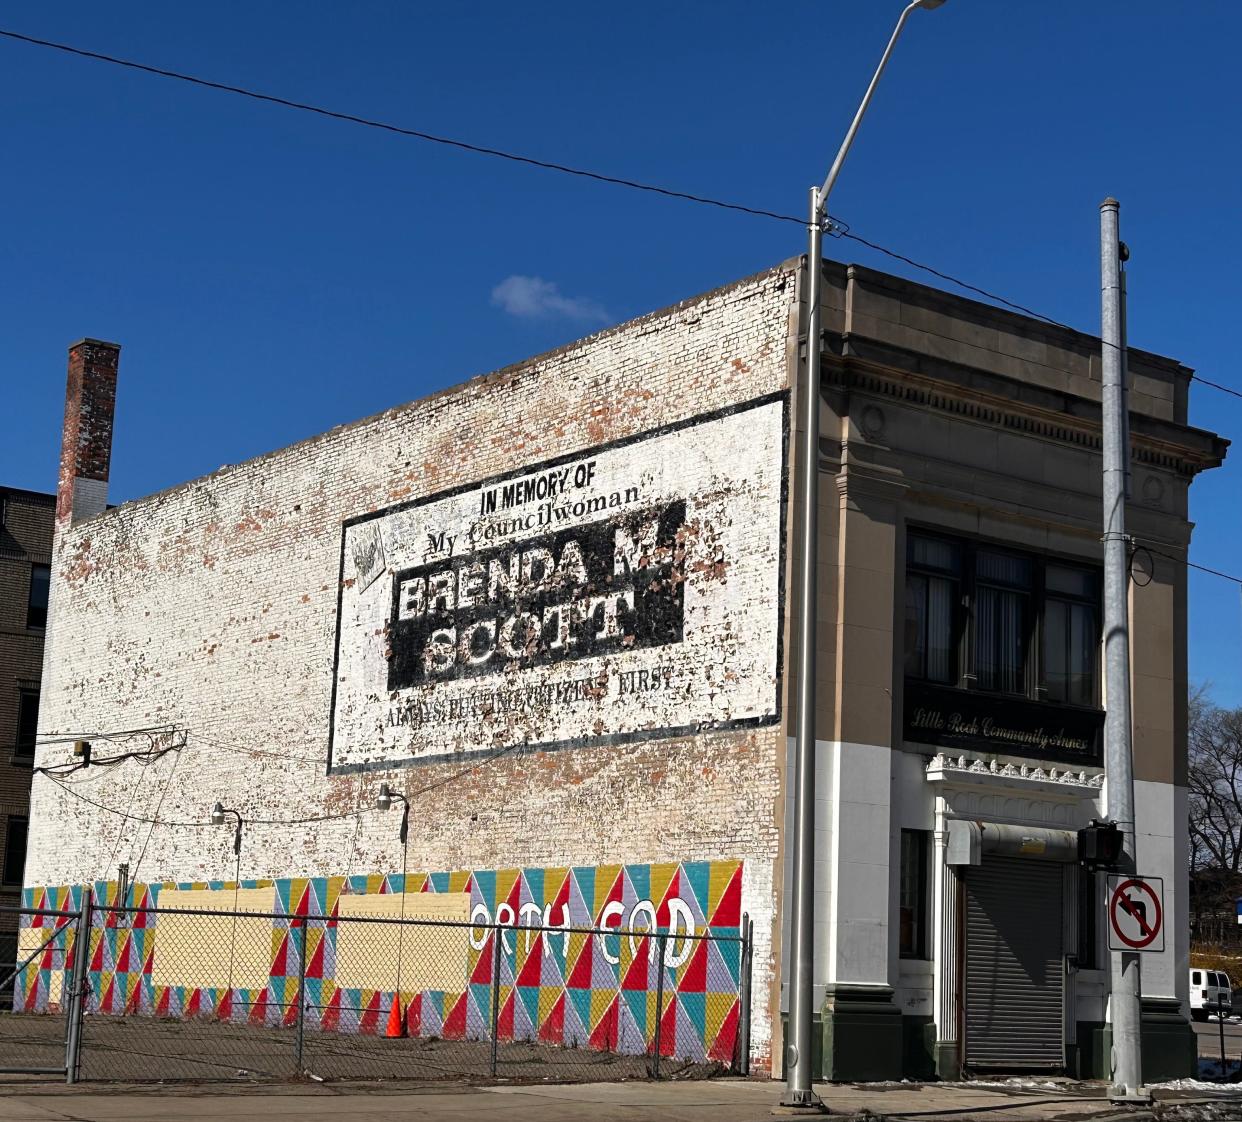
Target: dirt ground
(137,1049)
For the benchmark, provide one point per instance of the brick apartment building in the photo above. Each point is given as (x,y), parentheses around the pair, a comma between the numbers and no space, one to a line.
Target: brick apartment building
(548,605)
(26,521)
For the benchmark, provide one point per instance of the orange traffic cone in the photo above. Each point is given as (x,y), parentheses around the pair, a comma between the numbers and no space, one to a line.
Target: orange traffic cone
(396,1019)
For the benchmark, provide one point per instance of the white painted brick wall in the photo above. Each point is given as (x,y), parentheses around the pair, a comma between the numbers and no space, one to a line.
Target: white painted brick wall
(212,606)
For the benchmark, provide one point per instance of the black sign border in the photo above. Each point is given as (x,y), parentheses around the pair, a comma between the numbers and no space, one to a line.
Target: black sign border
(607,739)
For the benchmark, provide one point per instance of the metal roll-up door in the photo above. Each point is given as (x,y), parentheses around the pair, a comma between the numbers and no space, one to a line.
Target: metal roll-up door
(1014,989)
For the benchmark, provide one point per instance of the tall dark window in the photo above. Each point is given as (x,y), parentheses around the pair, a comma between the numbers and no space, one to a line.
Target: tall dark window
(1071,634)
(27,722)
(933,593)
(36,610)
(14,850)
(913,898)
(1088,931)
(1006,622)
(1002,620)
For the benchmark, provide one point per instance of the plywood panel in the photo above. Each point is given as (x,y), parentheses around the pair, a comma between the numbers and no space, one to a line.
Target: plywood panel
(214,951)
(370,956)
(29,939)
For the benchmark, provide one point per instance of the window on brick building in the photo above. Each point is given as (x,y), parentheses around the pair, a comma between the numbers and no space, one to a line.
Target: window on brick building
(15,849)
(27,724)
(36,610)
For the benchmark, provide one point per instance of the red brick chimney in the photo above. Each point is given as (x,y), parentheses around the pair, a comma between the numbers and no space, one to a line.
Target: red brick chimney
(86,446)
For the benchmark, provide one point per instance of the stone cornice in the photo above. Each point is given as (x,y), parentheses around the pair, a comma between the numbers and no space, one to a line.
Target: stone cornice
(994,399)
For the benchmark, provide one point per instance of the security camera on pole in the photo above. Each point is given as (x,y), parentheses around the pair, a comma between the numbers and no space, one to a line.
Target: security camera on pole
(1125,1007)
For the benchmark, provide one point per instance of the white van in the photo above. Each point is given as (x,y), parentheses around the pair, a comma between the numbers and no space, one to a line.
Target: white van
(1210,992)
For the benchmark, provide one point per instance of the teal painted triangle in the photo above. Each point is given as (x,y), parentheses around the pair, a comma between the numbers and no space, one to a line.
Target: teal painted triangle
(532,882)
(529,996)
(439,882)
(695,1007)
(640,878)
(637,1002)
(581,1000)
(482,994)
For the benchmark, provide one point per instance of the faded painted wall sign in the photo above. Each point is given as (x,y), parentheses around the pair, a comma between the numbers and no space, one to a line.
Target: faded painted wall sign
(629,591)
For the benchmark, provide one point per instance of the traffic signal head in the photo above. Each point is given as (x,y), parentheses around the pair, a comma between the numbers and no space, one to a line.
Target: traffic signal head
(1099,845)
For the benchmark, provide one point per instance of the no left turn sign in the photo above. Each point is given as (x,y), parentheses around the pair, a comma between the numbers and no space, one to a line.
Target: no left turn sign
(1136,913)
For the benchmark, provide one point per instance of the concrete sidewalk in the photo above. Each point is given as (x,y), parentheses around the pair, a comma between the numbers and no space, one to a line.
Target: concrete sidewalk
(732,1100)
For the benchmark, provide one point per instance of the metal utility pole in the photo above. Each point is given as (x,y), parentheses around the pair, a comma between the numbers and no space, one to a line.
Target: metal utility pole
(798,1058)
(1125,1007)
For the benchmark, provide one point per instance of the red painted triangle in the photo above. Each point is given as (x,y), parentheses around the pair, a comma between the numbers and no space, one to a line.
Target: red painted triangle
(138,920)
(281,963)
(150,961)
(291,1013)
(553,1028)
(32,995)
(335,912)
(694,980)
(562,894)
(369,1023)
(580,975)
(105,1002)
(258,1011)
(48,961)
(482,972)
(663,919)
(604,1034)
(668,1030)
(331,1019)
(122,962)
(725,1044)
(636,975)
(729,910)
(161,1004)
(531,973)
(455,1022)
(414,1015)
(97,957)
(504,1025)
(135,1000)
(224,1007)
(111,920)
(195,1005)
(314,968)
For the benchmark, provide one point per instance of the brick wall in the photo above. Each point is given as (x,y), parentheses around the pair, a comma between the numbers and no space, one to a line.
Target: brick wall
(212,607)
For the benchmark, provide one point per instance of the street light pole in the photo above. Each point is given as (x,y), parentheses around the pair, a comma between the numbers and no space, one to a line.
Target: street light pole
(798,1091)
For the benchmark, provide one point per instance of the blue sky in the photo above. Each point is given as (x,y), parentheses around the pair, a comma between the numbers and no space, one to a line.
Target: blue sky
(271,274)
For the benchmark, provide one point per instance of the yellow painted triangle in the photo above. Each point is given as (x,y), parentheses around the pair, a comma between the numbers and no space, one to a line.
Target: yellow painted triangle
(457,880)
(414,882)
(600,1000)
(553,881)
(334,891)
(605,878)
(718,1007)
(505,880)
(547,998)
(661,877)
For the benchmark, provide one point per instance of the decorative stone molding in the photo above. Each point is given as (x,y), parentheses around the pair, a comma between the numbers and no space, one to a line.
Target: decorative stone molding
(959,769)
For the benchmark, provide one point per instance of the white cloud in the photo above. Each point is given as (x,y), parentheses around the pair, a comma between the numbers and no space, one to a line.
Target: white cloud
(536,298)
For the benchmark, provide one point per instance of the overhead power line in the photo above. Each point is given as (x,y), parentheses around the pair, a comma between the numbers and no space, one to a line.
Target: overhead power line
(835,227)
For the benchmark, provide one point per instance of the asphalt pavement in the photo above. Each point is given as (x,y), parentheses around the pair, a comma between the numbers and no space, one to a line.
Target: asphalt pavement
(723,1100)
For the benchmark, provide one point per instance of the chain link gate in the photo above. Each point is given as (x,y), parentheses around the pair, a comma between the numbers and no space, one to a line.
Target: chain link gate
(40,1034)
(194,994)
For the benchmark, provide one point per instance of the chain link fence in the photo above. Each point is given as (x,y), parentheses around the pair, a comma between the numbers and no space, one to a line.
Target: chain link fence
(192,994)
